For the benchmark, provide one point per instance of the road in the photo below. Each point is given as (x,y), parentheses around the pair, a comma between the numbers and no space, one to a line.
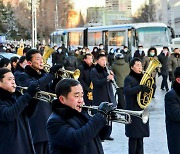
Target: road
(156,143)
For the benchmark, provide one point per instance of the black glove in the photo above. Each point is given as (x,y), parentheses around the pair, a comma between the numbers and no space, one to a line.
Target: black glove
(170,76)
(33,88)
(145,88)
(105,108)
(55,68)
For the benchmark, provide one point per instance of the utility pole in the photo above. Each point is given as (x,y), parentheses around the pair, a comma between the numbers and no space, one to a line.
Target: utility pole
(34,23)
(56,16)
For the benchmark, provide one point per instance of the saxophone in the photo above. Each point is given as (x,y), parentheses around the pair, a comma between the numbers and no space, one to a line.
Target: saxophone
(144,98)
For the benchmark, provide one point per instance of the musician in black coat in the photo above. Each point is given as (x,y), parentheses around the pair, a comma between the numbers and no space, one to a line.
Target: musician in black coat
(102,90)
(15,111)
(137,129)
(34,72)
(172,113)
(70,129)
(85,78)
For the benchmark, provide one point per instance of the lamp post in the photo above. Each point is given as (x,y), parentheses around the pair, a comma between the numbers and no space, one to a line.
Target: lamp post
(34,24)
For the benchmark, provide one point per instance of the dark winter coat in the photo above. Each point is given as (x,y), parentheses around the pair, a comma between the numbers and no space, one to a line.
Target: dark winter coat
(164,62)
(110,58)
(71,63)
(173,62)
(121,70)
(127,56)
(71,132)
(58,58)
(85,80)
(138,55)
(15,112)
(102,89)
(137,129)
(17,72)
(172,112)
(38,122)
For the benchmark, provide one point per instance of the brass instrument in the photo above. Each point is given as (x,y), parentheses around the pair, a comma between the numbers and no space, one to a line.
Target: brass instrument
(70,74)
(47,52)
(40,95)
(63,73)
(123,116)
(90,94)
(113,81)
(144,98)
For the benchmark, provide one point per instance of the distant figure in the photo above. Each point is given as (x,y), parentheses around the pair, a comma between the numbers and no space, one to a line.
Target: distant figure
(140,53)
(163,58)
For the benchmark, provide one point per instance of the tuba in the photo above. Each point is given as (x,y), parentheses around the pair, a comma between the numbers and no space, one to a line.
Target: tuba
(144,98)
(47,52)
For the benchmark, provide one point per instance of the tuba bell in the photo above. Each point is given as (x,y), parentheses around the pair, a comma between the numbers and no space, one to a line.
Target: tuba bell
(144,98)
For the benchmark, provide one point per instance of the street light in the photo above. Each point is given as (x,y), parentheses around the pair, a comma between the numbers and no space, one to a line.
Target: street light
(34,24)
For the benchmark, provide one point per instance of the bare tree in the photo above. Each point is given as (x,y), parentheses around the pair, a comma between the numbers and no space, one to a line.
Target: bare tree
(146,13)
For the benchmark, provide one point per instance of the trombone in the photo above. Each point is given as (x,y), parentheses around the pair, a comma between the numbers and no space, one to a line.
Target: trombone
(40,95)
(123,116)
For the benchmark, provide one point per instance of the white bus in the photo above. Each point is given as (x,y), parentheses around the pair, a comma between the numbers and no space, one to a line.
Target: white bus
(116,36)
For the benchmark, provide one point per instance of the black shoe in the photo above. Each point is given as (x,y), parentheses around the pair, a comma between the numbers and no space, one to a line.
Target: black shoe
(153,96)
(162,88)
(167,90)
(110,138)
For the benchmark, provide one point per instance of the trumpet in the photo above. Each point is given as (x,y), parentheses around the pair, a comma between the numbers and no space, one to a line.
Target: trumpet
(67,74)
(123,116)
(63,73)
(40,95)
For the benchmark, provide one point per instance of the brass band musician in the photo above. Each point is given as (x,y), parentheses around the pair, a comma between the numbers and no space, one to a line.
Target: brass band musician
(34,72)
(85,78)
(70,129)
(137,130)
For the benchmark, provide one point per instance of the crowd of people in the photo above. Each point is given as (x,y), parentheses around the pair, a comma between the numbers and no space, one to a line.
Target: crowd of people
(30,125)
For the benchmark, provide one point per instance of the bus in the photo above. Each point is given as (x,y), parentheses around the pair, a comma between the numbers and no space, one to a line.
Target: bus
(116,36)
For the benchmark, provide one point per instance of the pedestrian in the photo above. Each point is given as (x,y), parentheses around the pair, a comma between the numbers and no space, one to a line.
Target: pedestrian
(15,111)
(121,70)
(172,110)
(127,54)
(163,59)
(34,72)
(136,130)
(71,130)
(58,57)
(111,57)
(173,62)
(139,53)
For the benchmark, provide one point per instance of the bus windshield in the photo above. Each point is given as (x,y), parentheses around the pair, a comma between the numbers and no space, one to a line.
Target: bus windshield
(152,36)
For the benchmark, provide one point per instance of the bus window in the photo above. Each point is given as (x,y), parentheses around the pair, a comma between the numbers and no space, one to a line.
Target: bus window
(76,39)
(94,38)
(117,38)
(152,36)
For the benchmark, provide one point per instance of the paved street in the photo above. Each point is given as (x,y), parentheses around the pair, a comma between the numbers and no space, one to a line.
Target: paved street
(156,143)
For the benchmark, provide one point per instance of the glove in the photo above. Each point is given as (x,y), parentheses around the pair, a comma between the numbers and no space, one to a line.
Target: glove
(33,88)
(105,108)
(55,68)
(145,88)
(170,76)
